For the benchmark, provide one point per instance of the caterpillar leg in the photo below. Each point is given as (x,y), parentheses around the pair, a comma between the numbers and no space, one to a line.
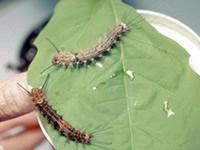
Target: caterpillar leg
(68,140)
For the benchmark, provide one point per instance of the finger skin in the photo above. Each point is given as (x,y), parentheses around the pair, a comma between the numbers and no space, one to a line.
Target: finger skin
(27,121)
(24,141)
(14,101)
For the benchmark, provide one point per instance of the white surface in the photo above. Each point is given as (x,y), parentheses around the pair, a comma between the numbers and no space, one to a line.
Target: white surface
(180,33)
(186,11)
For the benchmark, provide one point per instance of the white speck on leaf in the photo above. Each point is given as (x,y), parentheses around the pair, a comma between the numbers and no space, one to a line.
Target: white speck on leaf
(99,65)
(94,88)
(135,103)
(130,73)
(112,76)
(168,110)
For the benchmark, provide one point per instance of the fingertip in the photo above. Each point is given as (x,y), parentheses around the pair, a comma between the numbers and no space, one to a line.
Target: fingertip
(13,100)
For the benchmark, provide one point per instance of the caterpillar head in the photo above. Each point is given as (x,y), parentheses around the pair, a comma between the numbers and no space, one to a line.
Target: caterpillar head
(38,96)
(62,58)
(87,138)
(124,27)
(56,58)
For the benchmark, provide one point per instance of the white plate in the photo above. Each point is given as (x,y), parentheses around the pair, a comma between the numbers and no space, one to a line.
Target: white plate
(173,29)
(179,32)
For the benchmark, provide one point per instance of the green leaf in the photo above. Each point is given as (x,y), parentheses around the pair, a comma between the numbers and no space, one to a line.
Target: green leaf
(132,112)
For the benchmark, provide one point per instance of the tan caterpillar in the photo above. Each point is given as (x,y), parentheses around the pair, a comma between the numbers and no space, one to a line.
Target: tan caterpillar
(72,60)
(90,55)
(87,56)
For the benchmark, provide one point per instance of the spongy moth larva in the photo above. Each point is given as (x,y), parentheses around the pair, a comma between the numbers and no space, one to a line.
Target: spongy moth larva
(90,55)
(72,60)
(56,120)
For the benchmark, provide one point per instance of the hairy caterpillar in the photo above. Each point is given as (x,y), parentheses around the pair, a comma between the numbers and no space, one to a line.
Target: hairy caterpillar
(72,60)
(90,55)
(50,114)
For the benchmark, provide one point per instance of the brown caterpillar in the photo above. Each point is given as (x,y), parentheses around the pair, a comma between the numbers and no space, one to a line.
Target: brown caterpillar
(71,60)
(55,119)
(90,55)
(87,56)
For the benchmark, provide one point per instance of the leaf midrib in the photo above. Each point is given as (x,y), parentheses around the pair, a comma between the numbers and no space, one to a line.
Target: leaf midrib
(124,79)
